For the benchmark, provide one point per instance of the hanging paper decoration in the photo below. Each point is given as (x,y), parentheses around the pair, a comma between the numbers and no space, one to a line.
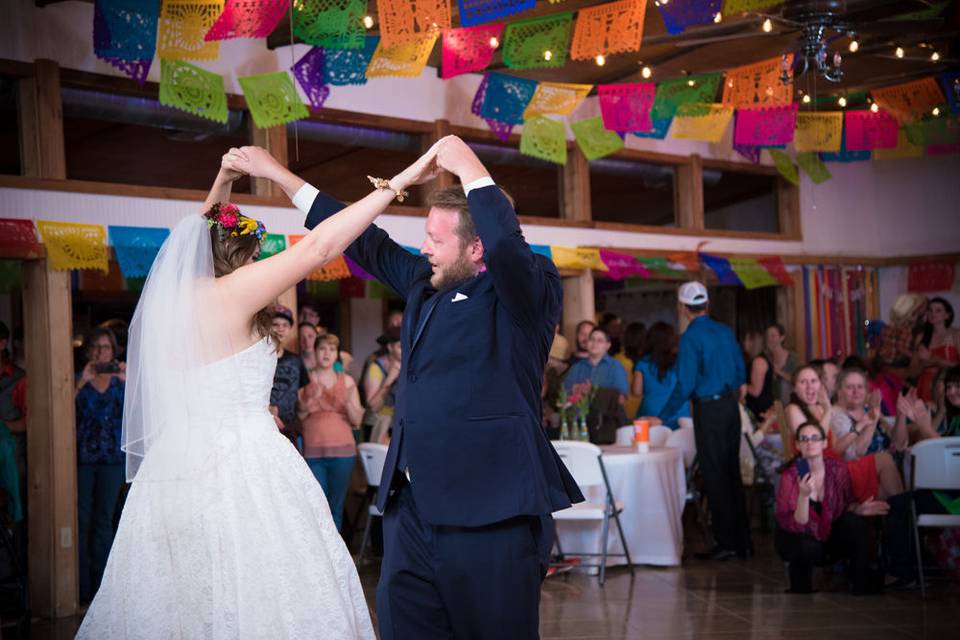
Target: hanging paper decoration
(747,151)
(556,98)
(951,87)
(125,29)
(845,155)
(337,24)
(673,93)
(544,138)
(621,265)
(271,245)
(594,140)
(865,130)
(247,19)
(192,89)
(680,14)
(349,66)
(356,270)
(765,127)
(910,101)
(543,250)
(658,132)
(336,269)
(405,60)
(308,71)
(928,277)
(402,21)
(904,148)
(468,49)
(506,98)
(577,258)
(500,129)
(751,273)
(819,131)
(813,166)
(18,236)
(785,166)
(614,27)
(537,43)
(183,23)
(697,121)
(734,7)
(936,131)
(626,107)
(74,246)
(136,248)
(759,84)
(474,12)
(272,99)
(721,267)
(775,267)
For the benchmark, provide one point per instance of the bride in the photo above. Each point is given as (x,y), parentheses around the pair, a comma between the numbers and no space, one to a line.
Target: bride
(225,532)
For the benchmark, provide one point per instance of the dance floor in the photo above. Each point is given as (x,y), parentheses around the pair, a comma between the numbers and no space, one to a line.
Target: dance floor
(735,599)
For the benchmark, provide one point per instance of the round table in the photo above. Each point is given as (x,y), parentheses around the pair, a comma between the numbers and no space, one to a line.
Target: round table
(652,488)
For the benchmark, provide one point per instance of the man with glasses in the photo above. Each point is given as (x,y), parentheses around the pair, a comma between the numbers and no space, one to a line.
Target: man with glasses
(599,367)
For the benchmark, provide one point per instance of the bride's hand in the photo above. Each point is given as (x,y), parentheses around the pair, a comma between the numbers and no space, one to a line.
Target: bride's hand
(424,169)
(231,165)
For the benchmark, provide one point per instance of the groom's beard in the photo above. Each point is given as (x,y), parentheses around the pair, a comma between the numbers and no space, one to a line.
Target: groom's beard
(460,271)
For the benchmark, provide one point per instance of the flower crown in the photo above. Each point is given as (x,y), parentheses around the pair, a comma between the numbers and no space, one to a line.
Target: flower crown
(228,217)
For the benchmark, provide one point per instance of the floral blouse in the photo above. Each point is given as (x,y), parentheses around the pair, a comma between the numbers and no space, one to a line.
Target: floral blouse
(99,423)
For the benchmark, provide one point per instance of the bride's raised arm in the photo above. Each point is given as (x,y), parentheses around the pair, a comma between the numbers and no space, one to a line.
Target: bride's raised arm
(258,284)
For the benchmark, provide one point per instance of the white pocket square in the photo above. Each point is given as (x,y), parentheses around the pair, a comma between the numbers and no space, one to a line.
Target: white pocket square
(458,297)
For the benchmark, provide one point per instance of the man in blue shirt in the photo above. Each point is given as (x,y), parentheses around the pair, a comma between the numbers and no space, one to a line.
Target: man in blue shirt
(598,368)
(710,372)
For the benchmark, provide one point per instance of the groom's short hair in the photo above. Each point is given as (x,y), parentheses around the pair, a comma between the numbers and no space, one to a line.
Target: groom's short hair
(453,199)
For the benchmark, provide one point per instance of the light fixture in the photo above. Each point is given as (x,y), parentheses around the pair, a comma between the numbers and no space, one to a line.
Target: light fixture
(494,43)
(600,60)
(368,22)
(548,55)
(690,83)
(718,18)
(767,26)
(842,101)
(854,45)
(806,99)
(934,56)
(898,52)
(936,111)
(874,107)
(646,72)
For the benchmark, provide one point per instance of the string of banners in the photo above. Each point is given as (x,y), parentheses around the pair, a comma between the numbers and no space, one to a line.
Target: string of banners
(77,246)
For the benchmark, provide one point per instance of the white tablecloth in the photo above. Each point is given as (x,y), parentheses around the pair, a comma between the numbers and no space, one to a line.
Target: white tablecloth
(652,487)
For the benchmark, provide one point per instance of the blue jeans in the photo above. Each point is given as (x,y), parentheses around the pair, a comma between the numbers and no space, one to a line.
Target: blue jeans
(333,474)
(98,488)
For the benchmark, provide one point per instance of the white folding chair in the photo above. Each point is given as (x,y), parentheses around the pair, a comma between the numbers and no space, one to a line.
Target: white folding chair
(585,464)
(372,456)
(625,435)
(659,435)
(934,464)
(683,439)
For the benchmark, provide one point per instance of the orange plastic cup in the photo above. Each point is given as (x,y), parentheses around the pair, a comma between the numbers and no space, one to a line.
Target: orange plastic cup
(641,431)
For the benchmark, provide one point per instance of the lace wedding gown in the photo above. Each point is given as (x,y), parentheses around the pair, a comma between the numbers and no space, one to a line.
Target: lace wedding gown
(248,549)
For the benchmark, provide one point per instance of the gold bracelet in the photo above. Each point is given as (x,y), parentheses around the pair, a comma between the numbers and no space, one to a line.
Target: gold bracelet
(381,183)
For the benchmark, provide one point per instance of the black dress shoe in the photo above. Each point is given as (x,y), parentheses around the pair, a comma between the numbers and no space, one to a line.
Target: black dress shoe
(717,554)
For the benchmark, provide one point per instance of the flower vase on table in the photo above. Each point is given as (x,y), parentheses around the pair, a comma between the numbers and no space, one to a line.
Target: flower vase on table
(582,434)
(564,428)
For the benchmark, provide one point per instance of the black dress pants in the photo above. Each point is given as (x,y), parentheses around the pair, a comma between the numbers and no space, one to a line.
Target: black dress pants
(847,541)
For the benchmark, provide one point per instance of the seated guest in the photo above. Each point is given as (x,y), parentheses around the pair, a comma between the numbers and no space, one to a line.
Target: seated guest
(945,422)
(613,325)
(856,425)
(655,374)
(818,519)
(873,475)
(634,339)
(329,409)
(939,345)
(829,372)
(584,327)
(599,367)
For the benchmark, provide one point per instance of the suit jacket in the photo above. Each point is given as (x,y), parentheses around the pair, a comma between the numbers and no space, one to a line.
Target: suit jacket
(468,408)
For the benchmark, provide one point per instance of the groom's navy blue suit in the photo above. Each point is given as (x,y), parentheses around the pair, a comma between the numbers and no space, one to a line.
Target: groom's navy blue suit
(464,539)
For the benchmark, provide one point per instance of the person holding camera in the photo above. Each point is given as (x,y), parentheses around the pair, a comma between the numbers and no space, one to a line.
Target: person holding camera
(100,462)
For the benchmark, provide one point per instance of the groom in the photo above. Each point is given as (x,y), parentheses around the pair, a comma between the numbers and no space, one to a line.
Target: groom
(470,479)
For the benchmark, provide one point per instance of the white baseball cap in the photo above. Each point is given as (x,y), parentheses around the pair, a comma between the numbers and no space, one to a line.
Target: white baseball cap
(692,293)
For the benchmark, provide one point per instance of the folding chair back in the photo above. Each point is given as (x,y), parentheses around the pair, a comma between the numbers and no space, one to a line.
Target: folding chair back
(936,464)
(582,461)
(373,456)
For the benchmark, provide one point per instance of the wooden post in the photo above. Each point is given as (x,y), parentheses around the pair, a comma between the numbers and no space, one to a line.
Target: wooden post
(441,128)
(51,441)
(578,304)
(41,123)
(688,194)
(273,140)
(788,209)
(575,187)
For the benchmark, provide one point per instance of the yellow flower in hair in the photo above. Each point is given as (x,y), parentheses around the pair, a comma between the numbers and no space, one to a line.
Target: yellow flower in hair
(247,226)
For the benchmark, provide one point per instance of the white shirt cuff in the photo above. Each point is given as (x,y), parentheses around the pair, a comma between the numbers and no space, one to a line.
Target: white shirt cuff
(485,181)
(304,197)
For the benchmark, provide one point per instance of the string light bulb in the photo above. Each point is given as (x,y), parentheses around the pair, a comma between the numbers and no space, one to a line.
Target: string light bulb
(898,52)
(935,56)
(691,83)
(368,22)
(646,72)
(548,55)
(854,45)
(842,102)
(936,111)
(600,60)
(718,18)
(494,43)
(767,26)
(874,107)
(806,99)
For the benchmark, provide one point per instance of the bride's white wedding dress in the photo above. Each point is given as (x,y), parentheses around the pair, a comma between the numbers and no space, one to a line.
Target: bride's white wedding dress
(245,549)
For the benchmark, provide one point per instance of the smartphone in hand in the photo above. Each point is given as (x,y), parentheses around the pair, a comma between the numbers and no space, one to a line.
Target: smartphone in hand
(803,467)
(107,367)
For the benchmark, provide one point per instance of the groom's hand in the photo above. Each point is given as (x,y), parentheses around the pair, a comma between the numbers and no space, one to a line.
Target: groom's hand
(258,163)
(456,157)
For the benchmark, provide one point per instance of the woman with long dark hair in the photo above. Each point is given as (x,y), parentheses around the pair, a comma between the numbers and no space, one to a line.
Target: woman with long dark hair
(939,345)
(655,374)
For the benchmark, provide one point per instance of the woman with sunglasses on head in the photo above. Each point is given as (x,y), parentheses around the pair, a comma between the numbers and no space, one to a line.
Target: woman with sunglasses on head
(818,521)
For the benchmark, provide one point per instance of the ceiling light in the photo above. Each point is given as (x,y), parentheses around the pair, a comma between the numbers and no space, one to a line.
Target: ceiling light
(898,52)
(718,18)
(936,111)
(646,72)
(368,22)
(806,99)
(874,107)
(767,26)
(935,56)
(842,101)
(600,60)
(854,45)
(691,83)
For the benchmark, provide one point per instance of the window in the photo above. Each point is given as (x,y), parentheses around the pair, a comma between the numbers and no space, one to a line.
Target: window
(633,192)
(533,184)
(9,130)
(740,201)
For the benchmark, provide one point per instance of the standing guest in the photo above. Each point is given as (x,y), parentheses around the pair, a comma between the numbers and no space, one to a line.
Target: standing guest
(291,375)
(599,367)
(470,480)
(329,410)
(394,319)
(584,327)
(829,372)
(818,519)
(760,385)
(655,375)
(752,345)
(898,340)
(710,372)
(309,315)
(613,325)
(634,339)
(100,462)
(378,382)
(783,362)
(939,345)
(307,335)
